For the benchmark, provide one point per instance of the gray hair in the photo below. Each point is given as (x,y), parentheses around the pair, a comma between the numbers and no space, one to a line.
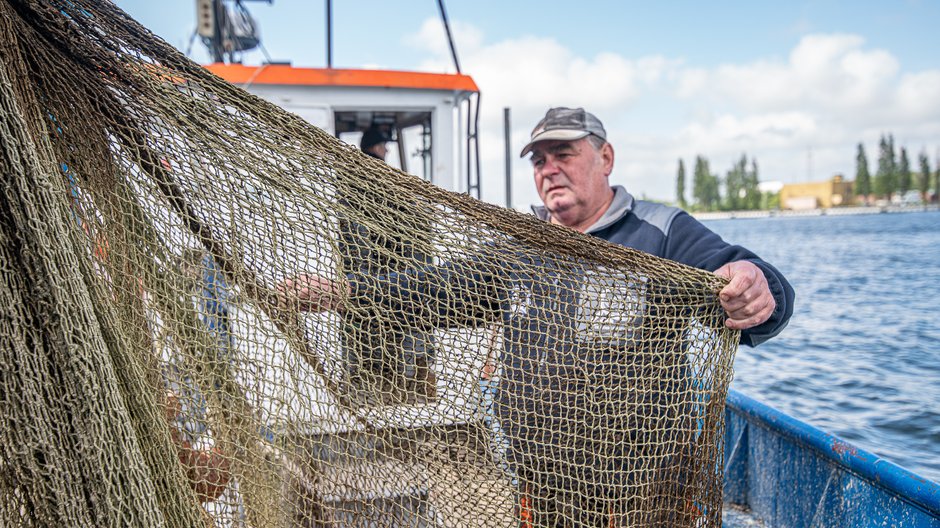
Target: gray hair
(596,141)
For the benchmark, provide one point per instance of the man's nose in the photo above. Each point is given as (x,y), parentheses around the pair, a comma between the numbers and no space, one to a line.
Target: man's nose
(549,168)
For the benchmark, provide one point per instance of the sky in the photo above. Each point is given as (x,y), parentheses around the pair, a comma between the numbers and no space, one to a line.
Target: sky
(794,85)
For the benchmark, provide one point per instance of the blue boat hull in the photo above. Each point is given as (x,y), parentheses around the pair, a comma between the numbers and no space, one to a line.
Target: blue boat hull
(783,472)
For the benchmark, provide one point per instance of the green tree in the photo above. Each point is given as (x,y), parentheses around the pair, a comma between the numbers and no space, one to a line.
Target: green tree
(680,184)
(734,185)
(705,191)
(879,184)
(936,178)
(904,173)
(770,200)
(752,187)
(885,180)
(741,186)
(862,176)
(893,166)
(698,185)
(923,179)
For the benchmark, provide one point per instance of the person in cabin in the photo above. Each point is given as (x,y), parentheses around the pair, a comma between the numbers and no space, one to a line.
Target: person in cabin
(586,447)
(373,142)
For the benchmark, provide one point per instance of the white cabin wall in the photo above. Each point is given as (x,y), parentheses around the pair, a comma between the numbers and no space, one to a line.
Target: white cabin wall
(317,104)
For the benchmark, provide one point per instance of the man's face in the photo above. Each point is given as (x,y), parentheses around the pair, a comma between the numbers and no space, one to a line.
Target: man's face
(571,178)
(380,150)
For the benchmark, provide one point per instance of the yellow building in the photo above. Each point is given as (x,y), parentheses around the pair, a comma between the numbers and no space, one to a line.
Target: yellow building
(813,195)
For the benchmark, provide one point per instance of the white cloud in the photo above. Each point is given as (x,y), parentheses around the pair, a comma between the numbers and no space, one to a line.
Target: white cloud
(529,75)
(750,132)
(801,116)
(433,38)
(538,73)
(827,74)
(691,82)
(919,96)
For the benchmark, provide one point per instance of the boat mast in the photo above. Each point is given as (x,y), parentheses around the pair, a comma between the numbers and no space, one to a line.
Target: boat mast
(225,32)
(450,38)
(329,34)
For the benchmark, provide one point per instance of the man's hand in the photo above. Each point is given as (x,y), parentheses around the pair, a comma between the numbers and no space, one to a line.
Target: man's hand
(208,470)
(312,293)
(747,298)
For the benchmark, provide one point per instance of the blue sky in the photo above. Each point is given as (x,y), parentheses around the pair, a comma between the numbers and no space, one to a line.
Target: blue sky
(796,85)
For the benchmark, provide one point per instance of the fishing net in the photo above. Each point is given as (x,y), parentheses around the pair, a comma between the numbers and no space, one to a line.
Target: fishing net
(163,361)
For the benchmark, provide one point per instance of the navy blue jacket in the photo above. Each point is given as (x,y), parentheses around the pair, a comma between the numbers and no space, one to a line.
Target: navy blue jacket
(671,233)
(578,340)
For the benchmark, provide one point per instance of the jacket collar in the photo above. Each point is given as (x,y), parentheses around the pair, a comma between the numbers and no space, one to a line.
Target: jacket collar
(619,207)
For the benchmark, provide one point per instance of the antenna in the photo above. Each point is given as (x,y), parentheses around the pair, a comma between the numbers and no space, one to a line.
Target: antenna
(207,26)
(329,33)
(226,32)
(450,38)
(507,135)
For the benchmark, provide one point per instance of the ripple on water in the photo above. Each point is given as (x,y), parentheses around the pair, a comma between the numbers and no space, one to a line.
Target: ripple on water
(861,357)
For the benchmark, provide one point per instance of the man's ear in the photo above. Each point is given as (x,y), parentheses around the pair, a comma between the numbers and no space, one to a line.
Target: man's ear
(607,158)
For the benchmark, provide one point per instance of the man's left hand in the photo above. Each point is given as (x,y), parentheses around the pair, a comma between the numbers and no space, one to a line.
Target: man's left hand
(747,298)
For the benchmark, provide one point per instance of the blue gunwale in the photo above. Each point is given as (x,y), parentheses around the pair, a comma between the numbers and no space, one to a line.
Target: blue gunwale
(766,448)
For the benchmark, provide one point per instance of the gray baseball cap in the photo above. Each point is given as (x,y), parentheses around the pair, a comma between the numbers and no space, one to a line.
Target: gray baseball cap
(566,124)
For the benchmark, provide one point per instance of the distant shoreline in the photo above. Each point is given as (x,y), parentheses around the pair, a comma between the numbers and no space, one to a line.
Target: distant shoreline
(833,211)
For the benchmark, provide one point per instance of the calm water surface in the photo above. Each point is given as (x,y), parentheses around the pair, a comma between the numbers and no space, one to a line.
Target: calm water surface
(861,357)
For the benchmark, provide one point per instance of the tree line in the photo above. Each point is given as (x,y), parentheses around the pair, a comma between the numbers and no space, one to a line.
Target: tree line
(738,189)
(894,176)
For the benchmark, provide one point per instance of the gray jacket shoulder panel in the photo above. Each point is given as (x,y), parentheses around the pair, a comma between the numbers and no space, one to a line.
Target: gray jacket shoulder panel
(657,215)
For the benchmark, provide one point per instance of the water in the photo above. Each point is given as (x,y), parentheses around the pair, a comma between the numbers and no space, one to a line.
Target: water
(861,357)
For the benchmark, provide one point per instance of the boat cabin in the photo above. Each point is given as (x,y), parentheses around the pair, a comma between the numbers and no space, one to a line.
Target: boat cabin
(430,119)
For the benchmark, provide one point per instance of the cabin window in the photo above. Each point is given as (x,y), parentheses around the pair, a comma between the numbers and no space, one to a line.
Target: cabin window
(409,133)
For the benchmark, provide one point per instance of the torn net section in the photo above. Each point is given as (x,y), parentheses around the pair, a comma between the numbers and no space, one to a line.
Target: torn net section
(482,368)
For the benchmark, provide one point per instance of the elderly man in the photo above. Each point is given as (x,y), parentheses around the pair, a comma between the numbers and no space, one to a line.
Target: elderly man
(572,161)
(585,446)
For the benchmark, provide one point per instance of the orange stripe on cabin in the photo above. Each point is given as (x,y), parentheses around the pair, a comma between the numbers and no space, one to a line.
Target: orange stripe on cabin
(284,74)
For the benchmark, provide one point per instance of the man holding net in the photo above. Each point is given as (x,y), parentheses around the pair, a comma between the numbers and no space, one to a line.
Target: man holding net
(595,396)
(572,163)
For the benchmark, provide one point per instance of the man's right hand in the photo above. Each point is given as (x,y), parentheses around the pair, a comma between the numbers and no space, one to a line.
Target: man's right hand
(312,293)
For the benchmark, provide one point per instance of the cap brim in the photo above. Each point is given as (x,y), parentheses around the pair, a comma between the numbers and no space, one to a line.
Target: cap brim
(557,135)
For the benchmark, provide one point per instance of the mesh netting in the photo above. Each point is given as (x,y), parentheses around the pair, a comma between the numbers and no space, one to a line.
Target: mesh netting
(162,363)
